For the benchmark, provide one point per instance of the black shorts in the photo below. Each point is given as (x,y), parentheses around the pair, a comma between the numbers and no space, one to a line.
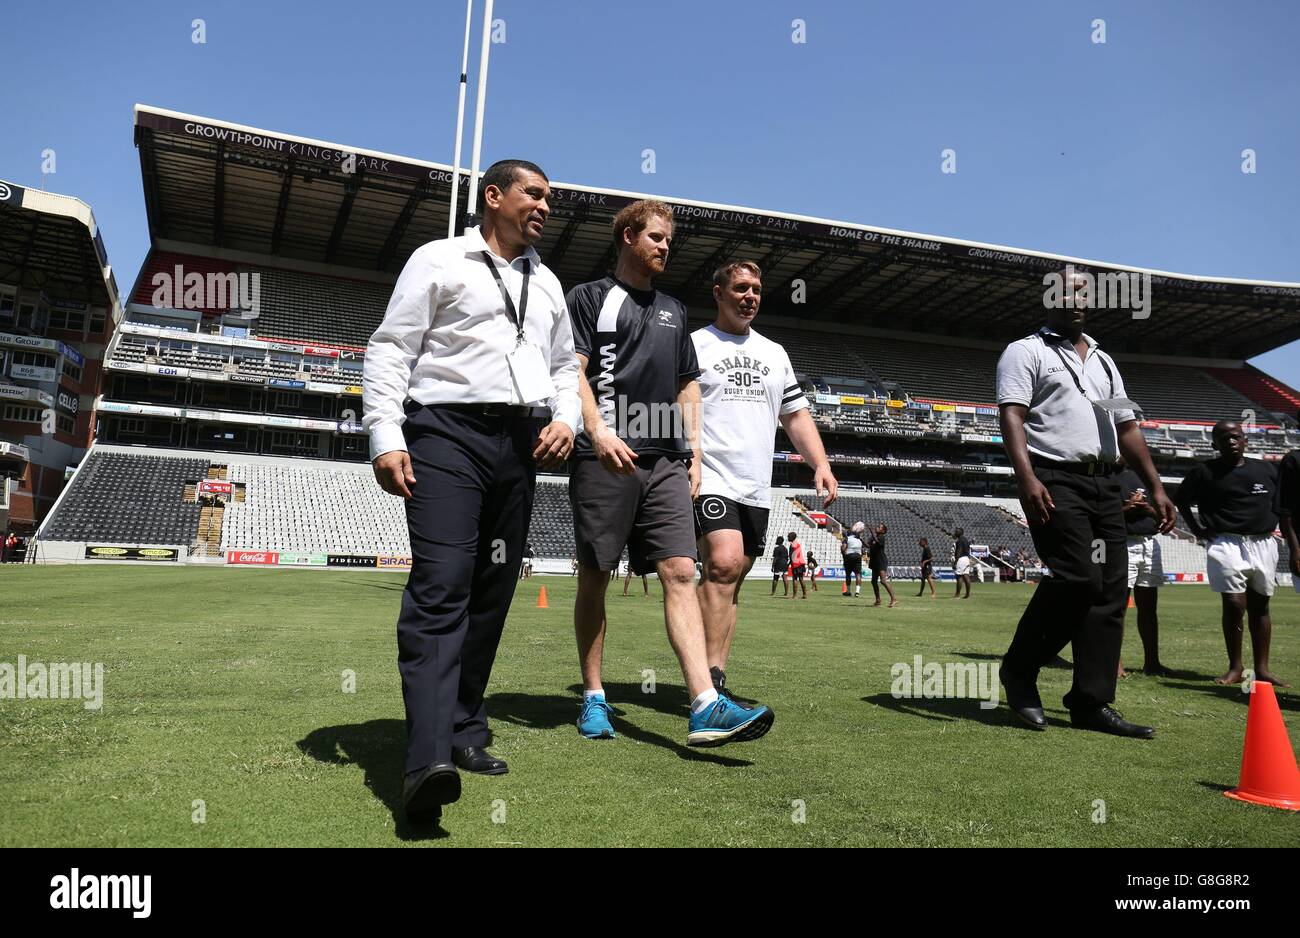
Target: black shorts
(719,513)
(852,564)
(798,571)
(648,512)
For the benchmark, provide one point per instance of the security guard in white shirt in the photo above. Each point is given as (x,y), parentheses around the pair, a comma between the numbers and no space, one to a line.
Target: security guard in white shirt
(471,384)
(1065,422)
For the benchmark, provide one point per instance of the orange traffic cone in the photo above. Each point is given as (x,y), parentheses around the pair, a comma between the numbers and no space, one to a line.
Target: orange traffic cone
(541,600)
(845,591)
(1130,601)
(1268,771)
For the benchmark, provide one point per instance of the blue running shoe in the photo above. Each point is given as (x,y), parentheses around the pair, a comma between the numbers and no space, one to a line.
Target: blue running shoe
(725,721)
(594,723)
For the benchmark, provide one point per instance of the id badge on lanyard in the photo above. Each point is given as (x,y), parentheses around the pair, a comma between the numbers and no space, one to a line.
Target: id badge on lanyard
(1112,404)
(532,379)
(1108,405)
(527,366)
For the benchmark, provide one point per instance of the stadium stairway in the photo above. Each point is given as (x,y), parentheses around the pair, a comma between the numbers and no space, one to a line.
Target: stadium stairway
(790,513)
(212,513)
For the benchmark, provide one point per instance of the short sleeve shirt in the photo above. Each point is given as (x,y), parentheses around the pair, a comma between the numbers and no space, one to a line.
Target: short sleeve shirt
(1233,499)
(746,385)
(638,352)
(1043,372)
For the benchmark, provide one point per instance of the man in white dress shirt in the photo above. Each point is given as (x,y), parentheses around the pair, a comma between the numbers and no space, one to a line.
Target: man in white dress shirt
(470,385)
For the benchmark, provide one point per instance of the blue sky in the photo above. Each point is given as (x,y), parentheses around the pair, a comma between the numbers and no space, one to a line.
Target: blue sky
(1127,151)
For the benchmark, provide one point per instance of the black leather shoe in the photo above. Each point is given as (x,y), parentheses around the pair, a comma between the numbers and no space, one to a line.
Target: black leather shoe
(1031,717)
(479,761)
(1022,698)
(425,791)
(1107,720)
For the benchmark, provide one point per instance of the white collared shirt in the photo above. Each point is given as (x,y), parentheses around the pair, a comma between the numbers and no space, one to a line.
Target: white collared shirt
(1063,424)
(446,334)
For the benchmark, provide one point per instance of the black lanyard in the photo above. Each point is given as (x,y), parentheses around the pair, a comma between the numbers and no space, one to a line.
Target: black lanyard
(1077,383)
(516,318)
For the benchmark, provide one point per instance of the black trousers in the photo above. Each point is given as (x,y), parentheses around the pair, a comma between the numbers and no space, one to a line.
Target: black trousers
(468,520)
(1085,547)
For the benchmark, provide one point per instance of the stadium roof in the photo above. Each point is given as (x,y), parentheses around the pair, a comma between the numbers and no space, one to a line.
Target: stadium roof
(230,188)
(51,243)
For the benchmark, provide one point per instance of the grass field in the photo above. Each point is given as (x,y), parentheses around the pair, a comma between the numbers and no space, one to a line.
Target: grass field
(226,686)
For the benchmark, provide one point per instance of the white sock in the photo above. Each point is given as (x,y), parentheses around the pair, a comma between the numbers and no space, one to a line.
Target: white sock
(704,701)
(588,694)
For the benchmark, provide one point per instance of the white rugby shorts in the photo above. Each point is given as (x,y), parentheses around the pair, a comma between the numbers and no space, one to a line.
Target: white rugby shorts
(1237,562)
(1144,567)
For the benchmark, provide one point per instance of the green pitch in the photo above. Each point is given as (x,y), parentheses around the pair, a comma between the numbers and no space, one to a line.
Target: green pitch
(227,687)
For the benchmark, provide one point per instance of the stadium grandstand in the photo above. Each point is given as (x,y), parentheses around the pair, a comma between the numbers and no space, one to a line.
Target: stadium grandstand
(233,378)
(58,307)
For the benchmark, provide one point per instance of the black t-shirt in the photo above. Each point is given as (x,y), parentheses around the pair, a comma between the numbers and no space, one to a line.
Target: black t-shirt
(1288,483)
(1233,499)
(926,556)
(963,548)
(638,352)
(780,556)
(1138,523)
(876,556)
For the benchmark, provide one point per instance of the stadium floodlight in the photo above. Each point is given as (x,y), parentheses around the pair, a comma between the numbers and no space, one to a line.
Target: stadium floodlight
(460,123)
(478,111)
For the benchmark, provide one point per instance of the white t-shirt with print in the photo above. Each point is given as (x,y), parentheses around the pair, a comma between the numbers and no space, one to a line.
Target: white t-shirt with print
(746,385)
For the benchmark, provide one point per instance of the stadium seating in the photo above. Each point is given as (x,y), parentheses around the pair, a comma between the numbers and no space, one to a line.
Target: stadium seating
(166,263)
(1254,384)
(317,507)
(313,308)
(1178,555)
(1168,391)
(129,498)
(907,520)
(930,370)
(819,354)
(303,307)
(783,518)
(331,310)
(551,532)
(128,495)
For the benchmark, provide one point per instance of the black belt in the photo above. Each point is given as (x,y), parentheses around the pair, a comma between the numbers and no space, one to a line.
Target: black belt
(1078,468)
(497,410)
